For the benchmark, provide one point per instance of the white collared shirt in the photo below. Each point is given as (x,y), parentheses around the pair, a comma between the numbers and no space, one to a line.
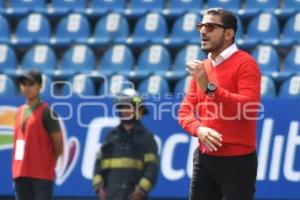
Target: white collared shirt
(224,55)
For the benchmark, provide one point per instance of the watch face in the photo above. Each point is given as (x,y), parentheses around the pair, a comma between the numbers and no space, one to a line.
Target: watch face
(211,86)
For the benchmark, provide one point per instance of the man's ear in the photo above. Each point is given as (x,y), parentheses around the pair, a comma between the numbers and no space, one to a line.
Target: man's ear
(229,34)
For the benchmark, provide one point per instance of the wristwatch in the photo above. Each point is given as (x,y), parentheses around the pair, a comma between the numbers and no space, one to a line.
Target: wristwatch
(210,88)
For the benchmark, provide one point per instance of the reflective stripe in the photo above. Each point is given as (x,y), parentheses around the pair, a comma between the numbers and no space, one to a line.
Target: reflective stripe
(145,184)
(150,157)
(124,163)
(97,179)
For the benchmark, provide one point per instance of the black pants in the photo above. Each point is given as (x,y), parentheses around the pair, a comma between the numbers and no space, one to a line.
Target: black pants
(33,189)
(217,177)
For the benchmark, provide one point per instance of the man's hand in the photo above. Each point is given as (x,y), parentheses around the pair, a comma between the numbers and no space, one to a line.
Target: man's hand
(137,194)
(210,138)
(101,192)
(196,68)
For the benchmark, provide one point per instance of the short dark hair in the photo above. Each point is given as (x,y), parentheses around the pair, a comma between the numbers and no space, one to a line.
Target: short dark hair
(228,19)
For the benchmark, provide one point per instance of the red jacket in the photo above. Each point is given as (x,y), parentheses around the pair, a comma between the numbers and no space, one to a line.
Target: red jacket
(228,111)
(39,159)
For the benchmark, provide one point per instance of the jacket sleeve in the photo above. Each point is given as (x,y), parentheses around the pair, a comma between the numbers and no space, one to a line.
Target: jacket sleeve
(188,116)
(151,163)
(98,174)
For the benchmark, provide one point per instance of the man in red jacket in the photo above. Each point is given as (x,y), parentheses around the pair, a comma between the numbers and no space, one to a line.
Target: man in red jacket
(37,143)
(220,109)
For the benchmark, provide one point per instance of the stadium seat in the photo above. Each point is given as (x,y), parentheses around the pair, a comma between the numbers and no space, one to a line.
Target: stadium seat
(45,92)
(254,7)
(239,35)
(39,57)
(8,60)
(267,89)
(232,5)
(117,59)
(290,89)
(267,59)
(141,7)
(7,87)
(189,53)
(154,59)
(181,86)
(291,31)
(33,29)
(101,7)
(80,85)
(154,85)
(116,83)
(289,7)
(292,60)
(77,59)
(23,7)
(185,31)
(151,28)
(63,7)
(263,29)
(2,8)
(74,28)
(112,28)
(178,7)
(4,31)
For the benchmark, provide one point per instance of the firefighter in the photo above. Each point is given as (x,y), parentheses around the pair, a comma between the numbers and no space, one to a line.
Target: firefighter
(127,163)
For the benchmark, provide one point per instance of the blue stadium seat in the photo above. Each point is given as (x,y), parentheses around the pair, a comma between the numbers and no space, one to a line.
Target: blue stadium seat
(267,59)
(7,87)
(291,31)
(116,83)
(33,29)
(239,35)
(292,60)
(267,88)
(141,7)
(181,86)
(189,53)
(290,89)
(80,85)
(151,28)
(117,59)
(63,7)
(254,7)
(23,7)
(263,29)
(46,86)
(232,5)
(112,28)
(154,59)
(8,60)
(289,8)
(101,7)
(154,85)
(2,8)
(39,57)
(185,31)
(74,28)
(178,7)
(4,31)
(77,59)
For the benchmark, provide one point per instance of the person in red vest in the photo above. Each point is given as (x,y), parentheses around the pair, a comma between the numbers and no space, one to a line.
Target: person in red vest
(37,143)
(220,109)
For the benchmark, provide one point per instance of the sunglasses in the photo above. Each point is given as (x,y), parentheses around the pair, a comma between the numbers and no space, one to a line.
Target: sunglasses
(209,27)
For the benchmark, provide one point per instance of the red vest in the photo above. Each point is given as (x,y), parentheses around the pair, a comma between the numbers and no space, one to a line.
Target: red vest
(38,159)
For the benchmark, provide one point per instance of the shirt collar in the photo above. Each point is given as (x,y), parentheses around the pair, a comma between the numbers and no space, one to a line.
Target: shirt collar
(223,55)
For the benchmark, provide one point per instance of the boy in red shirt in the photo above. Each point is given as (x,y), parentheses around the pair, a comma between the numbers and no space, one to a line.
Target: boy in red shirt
(37,143)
